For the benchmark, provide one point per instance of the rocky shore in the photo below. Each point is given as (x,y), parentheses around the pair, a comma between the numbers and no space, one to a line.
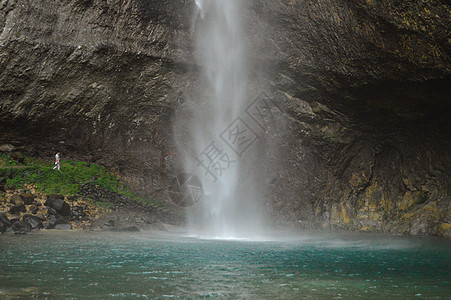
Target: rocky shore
(25,210)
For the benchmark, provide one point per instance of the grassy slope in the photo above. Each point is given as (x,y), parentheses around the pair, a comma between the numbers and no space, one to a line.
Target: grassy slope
(67,181)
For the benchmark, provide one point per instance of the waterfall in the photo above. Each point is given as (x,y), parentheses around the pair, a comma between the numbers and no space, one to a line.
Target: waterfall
(221,141)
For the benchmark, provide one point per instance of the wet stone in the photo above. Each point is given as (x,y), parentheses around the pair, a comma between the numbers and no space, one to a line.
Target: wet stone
(35,222)
(10,187)
(16,209)
(21,227)
(16,200)
(63,227)
(33,209)
(51,211)
(59,205)
(4,219)
(27,198)
(18,156)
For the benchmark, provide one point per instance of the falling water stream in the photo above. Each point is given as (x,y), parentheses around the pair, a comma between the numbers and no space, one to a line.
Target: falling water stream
(221,138)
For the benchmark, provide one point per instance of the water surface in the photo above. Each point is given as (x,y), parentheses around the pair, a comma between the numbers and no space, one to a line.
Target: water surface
(89,265)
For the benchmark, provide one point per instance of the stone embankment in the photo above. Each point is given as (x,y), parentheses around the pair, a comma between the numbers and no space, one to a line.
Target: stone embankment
(26,210)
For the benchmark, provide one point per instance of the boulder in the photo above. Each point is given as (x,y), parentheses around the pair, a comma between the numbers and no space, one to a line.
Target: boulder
(72,198)
(51,211)
(58,204)
(33,209)
(35,222)
(63,227)
(78,213)
(55,196)
(16,209)
(4,220)
(55,220)
(21,227)
(6,148)
(27,198)
(10,187)
(51,223)
(110,223)
(16,200)
(18,156)
(131,228)
(78,210)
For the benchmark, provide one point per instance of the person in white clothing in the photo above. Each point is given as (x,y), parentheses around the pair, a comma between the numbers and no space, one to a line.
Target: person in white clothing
(57,161)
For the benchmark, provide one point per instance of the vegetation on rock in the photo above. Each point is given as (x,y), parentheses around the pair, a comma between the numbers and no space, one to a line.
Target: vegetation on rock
(68,181)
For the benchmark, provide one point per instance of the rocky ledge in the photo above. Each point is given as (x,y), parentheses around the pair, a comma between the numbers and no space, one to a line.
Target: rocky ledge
(26,210)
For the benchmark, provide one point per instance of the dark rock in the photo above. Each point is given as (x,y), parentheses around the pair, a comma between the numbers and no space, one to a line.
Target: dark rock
(63,227)
(78,209)
(55,197)
(27,198)
(16,199)
(131,228)
(14,220)
(72,198)
(21,227)
(16,209)
(54,220)
(4,219)
(78,213)
(33,209)
(18,156)
(35,222)
(58,204)
(51,211)
(61,220)
(2,227)
(110,223)
(51,223)
(10,187)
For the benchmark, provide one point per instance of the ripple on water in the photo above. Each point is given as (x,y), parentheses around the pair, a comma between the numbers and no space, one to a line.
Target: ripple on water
(140,266)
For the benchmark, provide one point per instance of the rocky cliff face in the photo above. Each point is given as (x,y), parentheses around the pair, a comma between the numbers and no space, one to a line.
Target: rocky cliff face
(364,86)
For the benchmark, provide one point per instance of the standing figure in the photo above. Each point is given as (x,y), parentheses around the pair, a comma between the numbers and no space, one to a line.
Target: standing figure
(57,161)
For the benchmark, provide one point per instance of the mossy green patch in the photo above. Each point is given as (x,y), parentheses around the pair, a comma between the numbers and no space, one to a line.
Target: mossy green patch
(67,181)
